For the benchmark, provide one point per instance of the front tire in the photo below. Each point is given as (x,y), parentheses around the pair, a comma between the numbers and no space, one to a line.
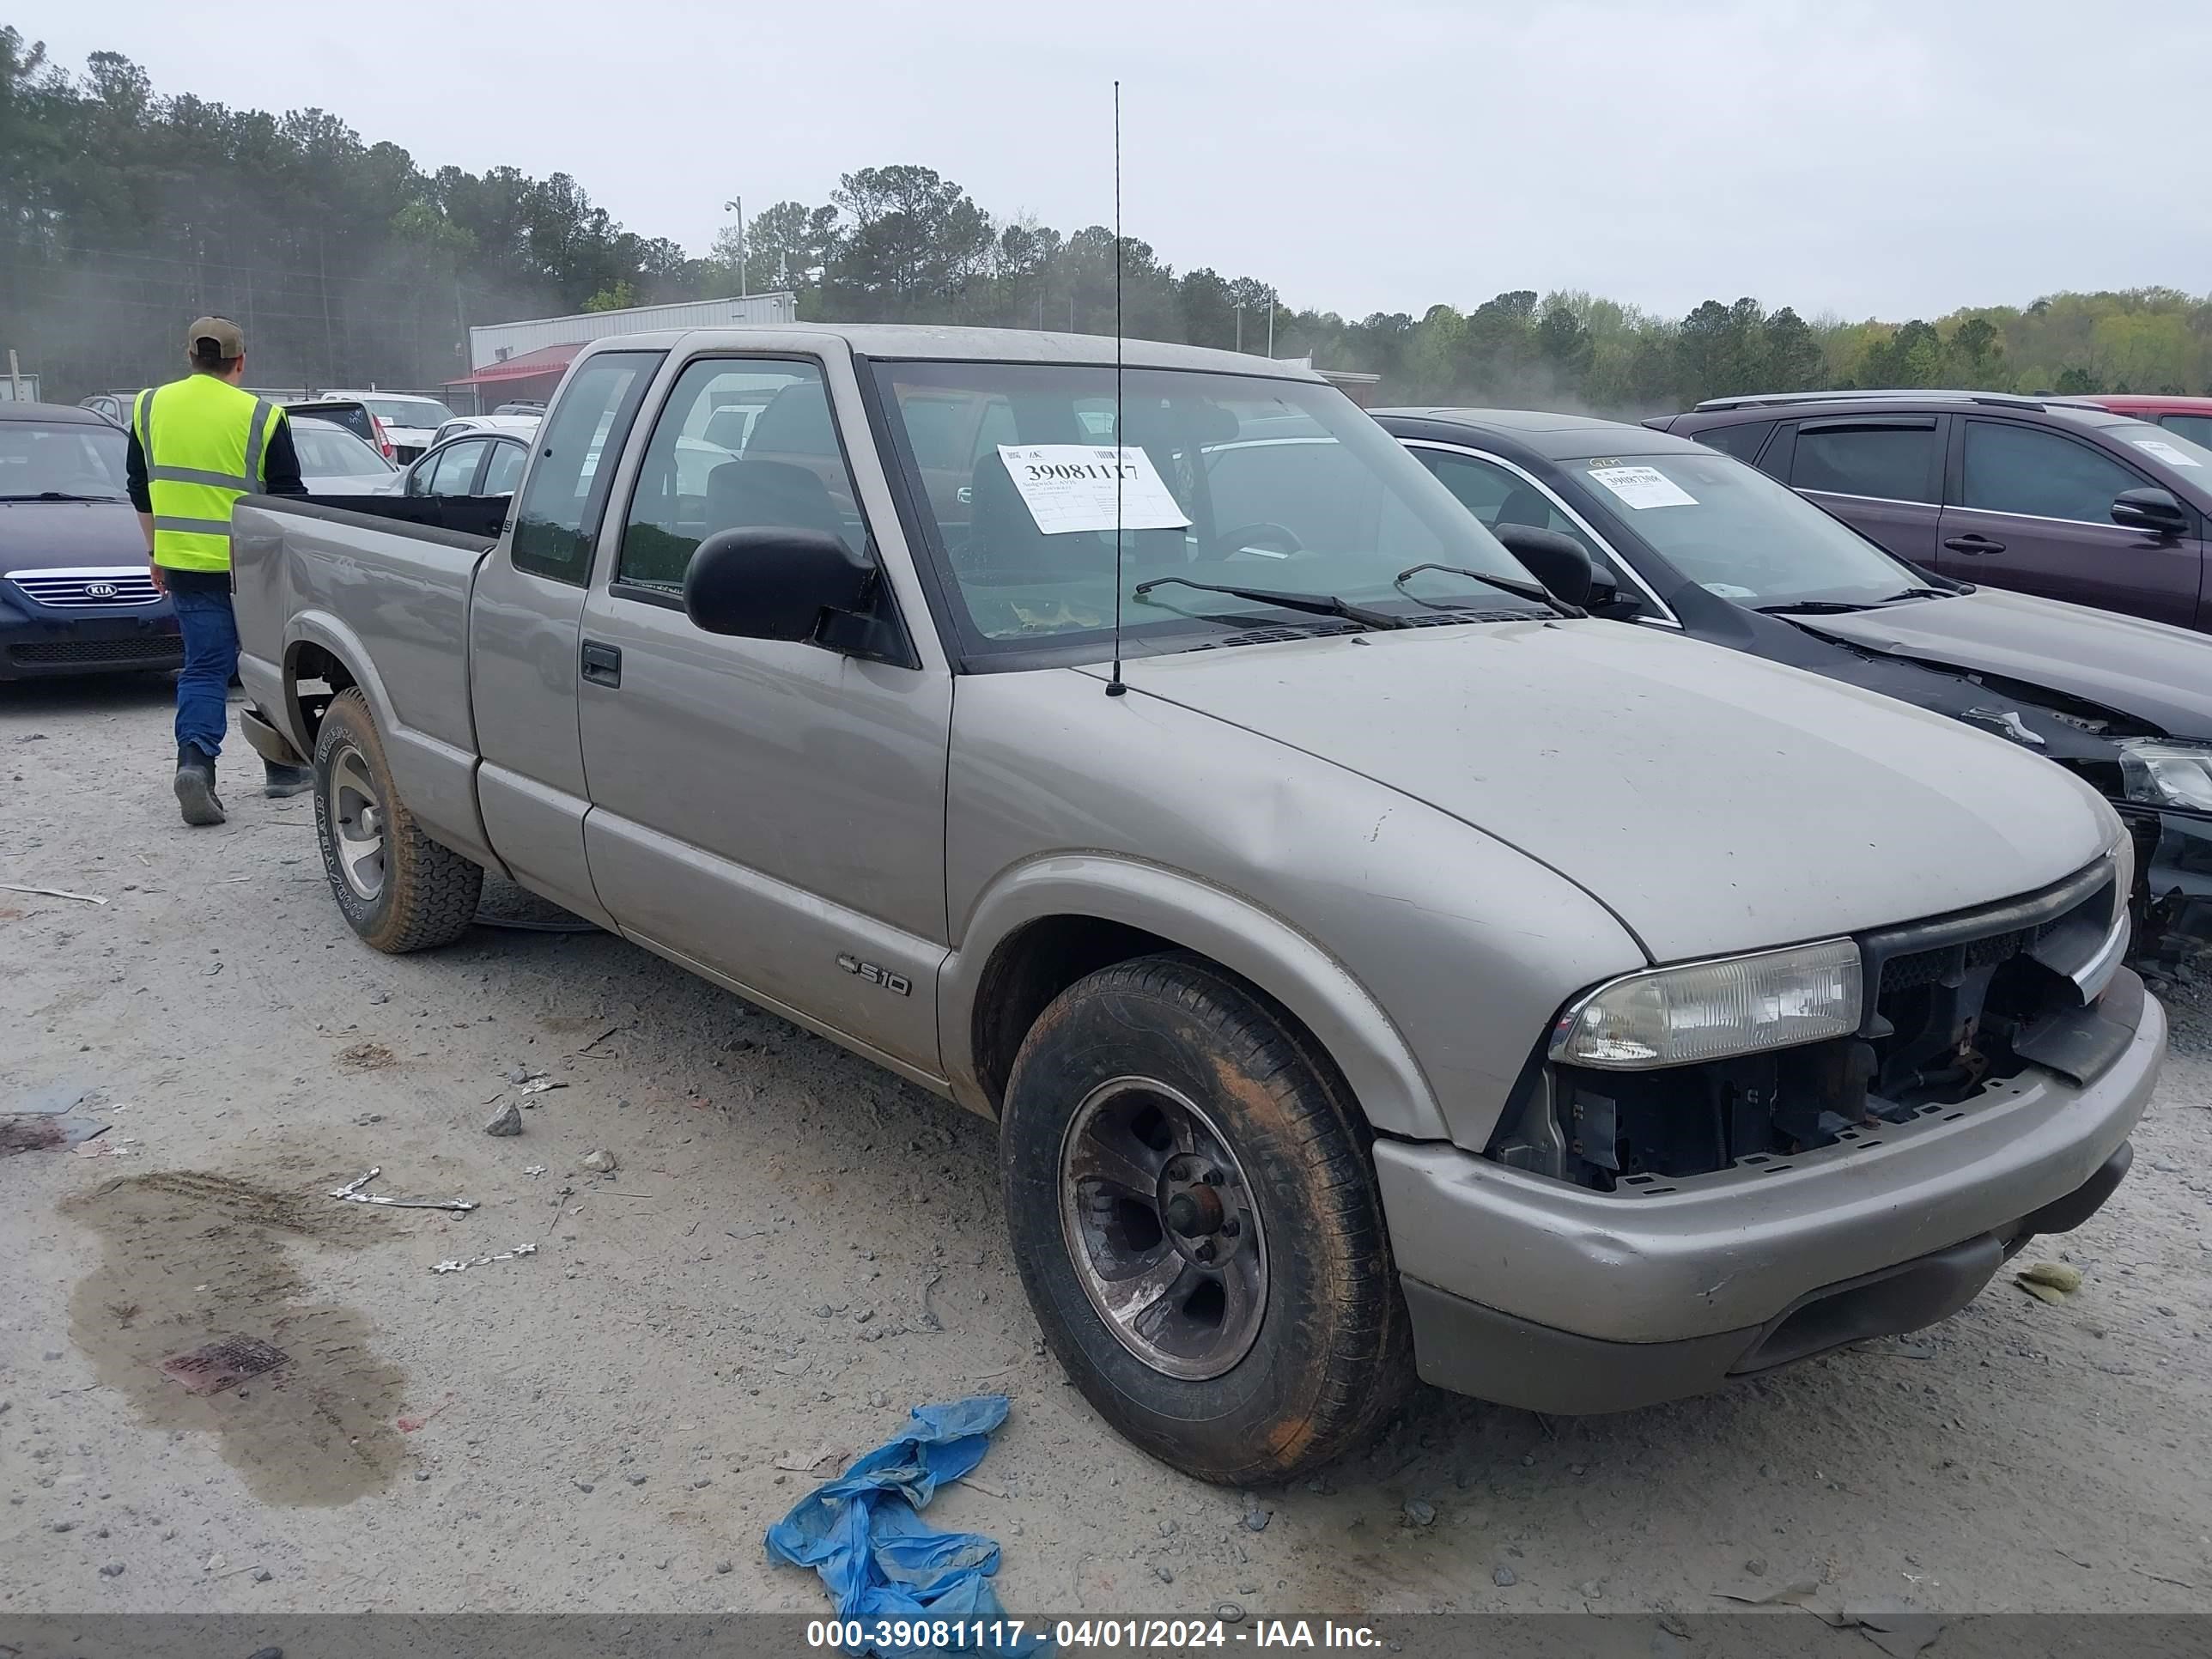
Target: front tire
(1196,1219)
(399,890)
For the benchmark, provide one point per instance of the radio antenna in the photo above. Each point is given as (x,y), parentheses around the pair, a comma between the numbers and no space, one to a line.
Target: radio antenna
(1114,687)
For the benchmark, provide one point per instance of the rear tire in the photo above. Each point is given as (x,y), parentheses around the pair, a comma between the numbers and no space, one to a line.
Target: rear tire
(1240,1320)
(399,890)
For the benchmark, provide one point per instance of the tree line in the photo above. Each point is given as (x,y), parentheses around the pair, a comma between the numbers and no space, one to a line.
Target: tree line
(124,211)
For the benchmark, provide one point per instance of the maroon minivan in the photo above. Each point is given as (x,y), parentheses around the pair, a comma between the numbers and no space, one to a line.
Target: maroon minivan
(2061,499)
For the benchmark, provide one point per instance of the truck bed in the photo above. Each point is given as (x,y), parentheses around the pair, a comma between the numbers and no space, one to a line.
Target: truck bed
(384,580)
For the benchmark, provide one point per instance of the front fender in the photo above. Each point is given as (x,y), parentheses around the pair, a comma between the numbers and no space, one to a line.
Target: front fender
(1288,965)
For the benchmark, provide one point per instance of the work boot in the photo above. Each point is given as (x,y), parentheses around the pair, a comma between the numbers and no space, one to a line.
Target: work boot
(196,785)
(278,782)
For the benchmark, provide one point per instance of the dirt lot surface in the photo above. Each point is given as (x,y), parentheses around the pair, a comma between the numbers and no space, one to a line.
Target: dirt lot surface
(792,1249)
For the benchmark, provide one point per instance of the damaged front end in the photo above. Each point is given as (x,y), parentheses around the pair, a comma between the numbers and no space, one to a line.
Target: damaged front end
(1684,1072)
(2160,785)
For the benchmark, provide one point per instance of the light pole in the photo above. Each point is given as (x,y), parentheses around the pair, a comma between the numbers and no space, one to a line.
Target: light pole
(737,207)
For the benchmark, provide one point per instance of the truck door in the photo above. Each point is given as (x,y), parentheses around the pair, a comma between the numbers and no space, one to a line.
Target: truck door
(523,617)
(2033,511)
(1880,474)
(772,813)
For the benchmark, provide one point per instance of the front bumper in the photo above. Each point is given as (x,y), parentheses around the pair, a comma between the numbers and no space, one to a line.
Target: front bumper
(1538,1293)
(39,642)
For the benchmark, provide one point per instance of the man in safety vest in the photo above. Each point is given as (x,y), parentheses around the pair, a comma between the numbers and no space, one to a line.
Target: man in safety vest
(196,444)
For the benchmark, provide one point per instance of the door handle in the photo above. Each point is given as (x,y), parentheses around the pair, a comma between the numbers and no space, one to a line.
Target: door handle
(1971,545)
(602,663)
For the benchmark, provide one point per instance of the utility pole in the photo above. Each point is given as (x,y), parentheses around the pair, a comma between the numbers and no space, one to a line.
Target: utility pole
(1271,323)
(323,282)
(737,207)
(1240,325)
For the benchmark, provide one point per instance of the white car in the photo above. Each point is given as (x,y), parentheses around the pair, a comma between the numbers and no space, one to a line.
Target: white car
(523,426)
(409,422)
(333,462)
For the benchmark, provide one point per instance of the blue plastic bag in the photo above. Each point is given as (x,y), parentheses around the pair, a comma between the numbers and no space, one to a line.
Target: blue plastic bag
(863,1535)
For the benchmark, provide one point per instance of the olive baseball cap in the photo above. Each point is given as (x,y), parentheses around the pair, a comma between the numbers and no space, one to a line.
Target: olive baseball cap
(229,338)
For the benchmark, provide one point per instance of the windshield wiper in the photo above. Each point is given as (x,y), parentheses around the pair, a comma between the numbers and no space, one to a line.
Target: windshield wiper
(57,495)
(1842,607)
(1316,604)
(1503,584)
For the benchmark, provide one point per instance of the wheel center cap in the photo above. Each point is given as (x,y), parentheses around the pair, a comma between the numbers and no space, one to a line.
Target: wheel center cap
(1196,1212)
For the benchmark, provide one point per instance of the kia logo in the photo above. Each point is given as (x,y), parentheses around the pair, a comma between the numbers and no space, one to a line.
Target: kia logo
(100,590)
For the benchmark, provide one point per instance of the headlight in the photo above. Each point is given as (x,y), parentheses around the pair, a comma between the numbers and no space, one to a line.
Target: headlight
(1710,1010)
(2160,772)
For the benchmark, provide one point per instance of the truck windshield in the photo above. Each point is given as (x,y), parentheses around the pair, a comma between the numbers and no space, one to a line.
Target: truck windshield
(1239,481)
(1738,533)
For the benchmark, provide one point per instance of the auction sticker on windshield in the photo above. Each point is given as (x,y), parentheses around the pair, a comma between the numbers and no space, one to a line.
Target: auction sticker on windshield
(2165,451)
(1643,486)
(1073,487)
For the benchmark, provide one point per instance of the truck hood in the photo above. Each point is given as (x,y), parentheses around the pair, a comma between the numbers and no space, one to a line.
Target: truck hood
(2150,673)
(66,535)
(1714,802)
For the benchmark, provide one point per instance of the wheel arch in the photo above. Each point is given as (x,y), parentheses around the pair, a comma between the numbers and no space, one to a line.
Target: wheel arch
(436,779)
(319,646)
(1045,924)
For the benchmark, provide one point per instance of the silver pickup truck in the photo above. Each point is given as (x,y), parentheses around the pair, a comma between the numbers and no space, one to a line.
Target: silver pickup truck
(1382,970)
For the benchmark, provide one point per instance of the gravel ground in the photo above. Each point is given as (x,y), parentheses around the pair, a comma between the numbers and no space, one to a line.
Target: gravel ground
(792,1249)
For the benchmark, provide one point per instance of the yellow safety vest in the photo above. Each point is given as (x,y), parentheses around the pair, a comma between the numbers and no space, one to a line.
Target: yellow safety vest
(202,439)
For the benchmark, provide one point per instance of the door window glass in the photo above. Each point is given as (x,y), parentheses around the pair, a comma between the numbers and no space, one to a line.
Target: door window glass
(1742,441)
(1497,496)
(505,468)
(456,471)
(1890,463)
(558,518)
(777,467)
(2019,469)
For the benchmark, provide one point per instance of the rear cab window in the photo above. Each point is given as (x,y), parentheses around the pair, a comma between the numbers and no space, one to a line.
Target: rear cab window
(557,520)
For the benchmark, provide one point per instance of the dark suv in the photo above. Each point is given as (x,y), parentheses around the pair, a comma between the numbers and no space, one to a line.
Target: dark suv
(2061,498)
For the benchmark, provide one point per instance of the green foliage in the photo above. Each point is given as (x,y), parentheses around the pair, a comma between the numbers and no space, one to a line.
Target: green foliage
(123,212)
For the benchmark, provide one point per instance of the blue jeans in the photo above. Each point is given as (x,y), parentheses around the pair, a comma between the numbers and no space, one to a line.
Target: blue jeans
(210,633)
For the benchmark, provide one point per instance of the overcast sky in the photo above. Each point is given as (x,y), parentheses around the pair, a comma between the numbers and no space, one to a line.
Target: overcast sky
(1857,156)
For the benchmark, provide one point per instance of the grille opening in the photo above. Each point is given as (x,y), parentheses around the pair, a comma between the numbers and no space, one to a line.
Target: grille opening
(156,652)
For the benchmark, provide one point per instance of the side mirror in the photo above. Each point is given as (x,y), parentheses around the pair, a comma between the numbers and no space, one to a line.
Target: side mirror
(2155,510)
(773,584)
(1557,561)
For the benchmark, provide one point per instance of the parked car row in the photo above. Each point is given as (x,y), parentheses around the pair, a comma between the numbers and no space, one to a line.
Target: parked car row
(1376,963)
(2065,500)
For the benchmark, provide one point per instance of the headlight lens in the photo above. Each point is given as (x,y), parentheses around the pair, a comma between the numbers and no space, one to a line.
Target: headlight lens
(1710,1010)
(2160,772)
